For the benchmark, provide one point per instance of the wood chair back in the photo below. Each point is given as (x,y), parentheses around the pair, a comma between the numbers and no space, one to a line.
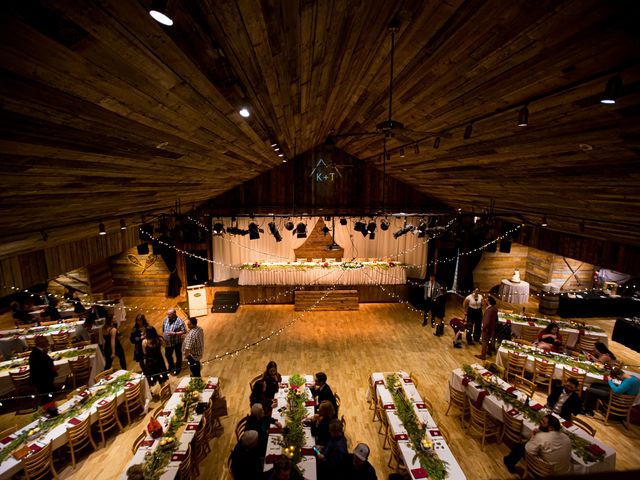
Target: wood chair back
(31,342)
(201,443)
(136,443)
(79,437)
(536,467)
(479,422)
(618,406)
(524,385)
(444,432)
(158,411)
(566,374)
(22,387)
(61,341)
(586,343)
(108,419)
(83,343)
(39,464)
(101,375)
(49,323)
(511,428)
(338,401)
(26,354)
(165,392)
(242,423)
(543,373)
(184,470)
(80,371)
(522,341)
(578,422)
(8,431)
(515,364)
(253,381)
(133,400)
(396,455)
(458,400)
(529,334)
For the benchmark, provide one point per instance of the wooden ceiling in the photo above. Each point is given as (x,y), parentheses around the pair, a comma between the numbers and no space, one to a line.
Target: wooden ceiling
(106,114)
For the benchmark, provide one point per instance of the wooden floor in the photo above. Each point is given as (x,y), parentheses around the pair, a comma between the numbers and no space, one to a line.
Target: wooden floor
(348,346)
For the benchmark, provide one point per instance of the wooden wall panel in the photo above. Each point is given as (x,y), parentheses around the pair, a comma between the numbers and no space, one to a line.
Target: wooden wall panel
(539,268)
(493,267)
(561,273)
(316,243)
(100,277)
(139,275)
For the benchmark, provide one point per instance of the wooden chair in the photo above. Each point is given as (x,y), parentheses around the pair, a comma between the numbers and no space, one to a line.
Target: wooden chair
(26,354)
(338,401)
(156,413)
(241,426)
(566,374)
(481,423)
(103,374)
(395,455)
(200,446)
(536,467)
(31,342)
(511,428)
(458,400)
(108,419)
(75,392)
(543,373)
(565,340)
(495,368)
(136,443)
(414,379)
(22,388)
(39,464)
(578,422)
(80,371)
(185,468)
(522,341)
(384,426)
(373,400)
(165,393)
(618,406)
(79,437)
(49,323)
(253,381)
(529,334)
(586,343)
(83,343)
(515,365)
(133,400)
(444,432)
(61,341)
(524,385)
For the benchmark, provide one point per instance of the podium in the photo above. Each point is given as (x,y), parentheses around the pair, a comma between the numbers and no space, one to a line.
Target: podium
(197,300)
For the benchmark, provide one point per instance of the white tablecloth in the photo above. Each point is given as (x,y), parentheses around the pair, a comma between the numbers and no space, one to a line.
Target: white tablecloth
(58,435)
(493,405)
(149,444)
(399,432)
(113,307)
(316,274)
(517,293)
(97,365)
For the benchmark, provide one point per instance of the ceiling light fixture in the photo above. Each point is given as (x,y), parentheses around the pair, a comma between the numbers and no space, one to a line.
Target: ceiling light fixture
(281,154)
(544,221)
(523,117)
(301,230)
(288,225)
(244,112)
(402,153)
(159,13)
(436,143)
(612,90)
(343,221)
(218,228)
(468,131)
(384,225)
(274,231)
(274,144)
(404,230)
(123,224)
(101,229)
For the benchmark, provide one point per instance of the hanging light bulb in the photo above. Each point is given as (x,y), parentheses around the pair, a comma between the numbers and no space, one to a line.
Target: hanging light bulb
(523,117)
(612,90)
(158,12)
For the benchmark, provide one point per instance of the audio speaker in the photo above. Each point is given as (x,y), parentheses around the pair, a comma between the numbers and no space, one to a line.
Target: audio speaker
(505,246)
(143,249)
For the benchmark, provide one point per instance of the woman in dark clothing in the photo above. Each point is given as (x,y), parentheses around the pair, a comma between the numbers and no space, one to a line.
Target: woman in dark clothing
(51,311)
(112,347)
(154,367)
(272,378)
(320,422)
(136,337)
(258,395)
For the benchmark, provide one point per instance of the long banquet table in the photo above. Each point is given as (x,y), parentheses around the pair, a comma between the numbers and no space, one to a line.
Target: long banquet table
(312,273)
(494,406)
(149,444)
(114,308)
(399,432)
(58,435)
(597,304)
(274,449)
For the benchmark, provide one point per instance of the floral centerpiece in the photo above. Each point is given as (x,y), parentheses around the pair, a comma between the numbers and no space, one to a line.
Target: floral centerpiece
(293,438)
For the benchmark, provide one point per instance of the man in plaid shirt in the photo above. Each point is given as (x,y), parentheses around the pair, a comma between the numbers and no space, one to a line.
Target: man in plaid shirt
(173,329)
(193,346)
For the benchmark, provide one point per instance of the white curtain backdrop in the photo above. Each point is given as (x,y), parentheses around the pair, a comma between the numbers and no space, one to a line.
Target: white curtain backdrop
(231,251)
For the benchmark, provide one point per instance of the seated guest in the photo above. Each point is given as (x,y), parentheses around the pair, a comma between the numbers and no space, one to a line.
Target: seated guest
(321,391)
(272,379)
(319,423)
(550,338)
(599,390)
(51,311)
(548,443)
(77,303)
(601,354)
(564,400)
(42,373)
(84,332)
(334,454)
(20,313)
(283,470)
(357,466)
(260,422)
(259,395)
(246,461)
(68,293)
(96,311)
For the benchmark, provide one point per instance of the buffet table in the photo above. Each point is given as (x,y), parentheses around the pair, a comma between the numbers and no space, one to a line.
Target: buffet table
(70,413)
(494,406)
(597,304)
(627,332)
(518,321)
(149,444)
(399,432)
(322,273)
(61,360)
(514,292)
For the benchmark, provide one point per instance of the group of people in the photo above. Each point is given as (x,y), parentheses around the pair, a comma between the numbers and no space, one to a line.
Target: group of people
(333,459)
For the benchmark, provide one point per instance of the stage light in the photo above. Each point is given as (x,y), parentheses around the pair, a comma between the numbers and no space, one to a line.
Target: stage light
(343,221)
(544,221)
(422,229)
(159,13)
(523,117)
(101,229)
(404,230)
(372,235)
(254,231)
(359,226)
(274,231)
(384,225)
(325,230)
(289,225)
(218,228)
(612,90)
(402,153)
(372,227)
(237,231)
(301,230)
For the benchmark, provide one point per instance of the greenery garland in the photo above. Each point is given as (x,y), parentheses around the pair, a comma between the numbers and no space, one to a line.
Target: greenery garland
(24,361)
(353,265)
(543,322)
(435,467)
(293,438)
(578,444)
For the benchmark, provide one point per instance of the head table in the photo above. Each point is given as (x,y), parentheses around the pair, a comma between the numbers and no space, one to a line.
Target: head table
(399,432)
(494,406)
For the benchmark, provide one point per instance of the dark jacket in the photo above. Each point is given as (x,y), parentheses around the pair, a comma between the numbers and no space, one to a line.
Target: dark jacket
(98,312)
(262,427)
(325,394)
(246,464)
(365,472)
(571,406)
(41,371)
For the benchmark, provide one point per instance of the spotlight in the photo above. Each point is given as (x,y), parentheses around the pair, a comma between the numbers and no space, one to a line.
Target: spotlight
(301,230)
(244,112)
(158,11)
(468,131)
(327,218)
(218,228)
(523,117)
(343,221)
(274,231)
(422,229)
(289,225)
(404,230)
(236,231)
(612,90)
(372,235)
(544,221)
(436,143)
(325,230)
(384,225)
(274,144)
(101,229)
(123,224)
(254,231)
(359,226)
(372,227)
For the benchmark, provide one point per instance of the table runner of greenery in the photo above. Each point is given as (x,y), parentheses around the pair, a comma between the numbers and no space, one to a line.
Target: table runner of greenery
(435,467)
(71,353)
(591,367)
(155,462)
(45,424)
(48,330)
(293,437)
(543,322)
(579,445)
(353,265)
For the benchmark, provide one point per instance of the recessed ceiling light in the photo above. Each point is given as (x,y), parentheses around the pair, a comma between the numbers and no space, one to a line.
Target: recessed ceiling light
(244,113)
(158,11)
(281,154)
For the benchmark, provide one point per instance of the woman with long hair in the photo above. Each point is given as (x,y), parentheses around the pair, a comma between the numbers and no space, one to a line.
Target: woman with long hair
(136,337)
(111,346)
(550,338)
(272,378)
(155,368)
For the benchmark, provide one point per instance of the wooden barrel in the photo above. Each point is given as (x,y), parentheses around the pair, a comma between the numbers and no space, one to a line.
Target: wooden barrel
(549,303)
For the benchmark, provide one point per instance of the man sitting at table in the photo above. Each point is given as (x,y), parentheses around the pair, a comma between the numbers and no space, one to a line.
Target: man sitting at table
(42,373)
(548,443)
(283,470)
(357,466)
(246,458)
(598,390)
(564,399)
(321,391)
(260,422)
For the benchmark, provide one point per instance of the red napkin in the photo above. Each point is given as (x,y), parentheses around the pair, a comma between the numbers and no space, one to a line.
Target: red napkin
(271,458)
(480,398)
(74,421)
(513,412)
(36,448)
(508,322)
(166,413)
(103,402)
(181,389)
(419,473)
(421,406)
(178,457)
(511,389)
(581,331)
(83,393)
(401,436)
(146,443)
(567,424)
(435,433)
(595,450)
(284,385)
(388,406)
(23,369)
(379,382)
(80,347)
(407,380)
(211,386)
(108,377)
(532,324)
(574,369)
(487,374)
(306,451)
(465,381)
(310,403)
(275,430)
(129,385)
(7,440)
(191,426)
(535,406)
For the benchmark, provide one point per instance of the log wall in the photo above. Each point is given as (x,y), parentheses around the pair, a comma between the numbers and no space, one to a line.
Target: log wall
(493,267)
(139,275)
(316,243)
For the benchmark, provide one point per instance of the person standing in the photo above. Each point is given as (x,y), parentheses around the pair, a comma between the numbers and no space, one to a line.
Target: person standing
(431,289)
(440,303)
(173,330)
(154,367)
(193,346)
(136,337)
(112,347)
(42,373)
(489,329)
(473,313)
